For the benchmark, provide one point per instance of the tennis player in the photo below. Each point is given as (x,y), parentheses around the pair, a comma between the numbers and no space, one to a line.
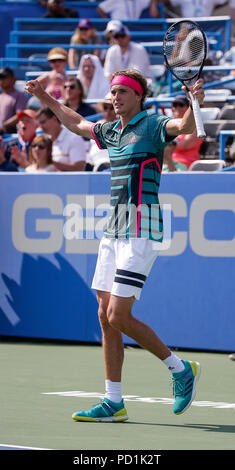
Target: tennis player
(126,254)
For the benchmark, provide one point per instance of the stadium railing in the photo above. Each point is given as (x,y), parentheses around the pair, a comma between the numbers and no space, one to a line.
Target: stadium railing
(216,24)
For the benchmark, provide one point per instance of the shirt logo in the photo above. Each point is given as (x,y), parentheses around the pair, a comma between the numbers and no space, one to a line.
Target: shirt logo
(133,139)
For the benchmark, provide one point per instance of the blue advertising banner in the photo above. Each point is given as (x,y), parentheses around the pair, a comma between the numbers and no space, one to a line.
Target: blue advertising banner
(50,230)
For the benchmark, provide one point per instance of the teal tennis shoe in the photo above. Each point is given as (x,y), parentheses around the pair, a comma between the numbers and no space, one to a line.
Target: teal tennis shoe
(105,411)
(184,384)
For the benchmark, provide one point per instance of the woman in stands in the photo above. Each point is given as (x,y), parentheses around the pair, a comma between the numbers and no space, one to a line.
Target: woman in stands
(91,74)
(84,34)
(40,156)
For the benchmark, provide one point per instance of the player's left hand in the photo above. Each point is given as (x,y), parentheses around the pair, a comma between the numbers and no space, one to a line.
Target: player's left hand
(197,91)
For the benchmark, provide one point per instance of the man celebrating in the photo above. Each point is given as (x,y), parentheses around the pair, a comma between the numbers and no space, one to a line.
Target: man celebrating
(126,254)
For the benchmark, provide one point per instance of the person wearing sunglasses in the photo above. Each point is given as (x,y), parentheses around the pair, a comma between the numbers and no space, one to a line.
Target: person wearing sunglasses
(125,53)
(185,149)
(85,33)
(40,156)
(74,96)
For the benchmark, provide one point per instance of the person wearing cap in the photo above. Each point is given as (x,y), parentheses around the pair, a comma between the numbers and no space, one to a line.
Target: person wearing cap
(11,101)
(85,33)
(126,54)
(127,9)
(26,126)
(55,9)
(133,234)
(185,149)
(52,81)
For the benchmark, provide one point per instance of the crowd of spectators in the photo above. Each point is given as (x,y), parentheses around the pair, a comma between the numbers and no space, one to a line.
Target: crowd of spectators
(76,76)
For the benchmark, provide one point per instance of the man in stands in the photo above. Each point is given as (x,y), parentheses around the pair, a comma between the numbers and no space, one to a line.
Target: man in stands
(55,9)
(68,149)
(126,54)
(11,101)
(127,9)
(19,151)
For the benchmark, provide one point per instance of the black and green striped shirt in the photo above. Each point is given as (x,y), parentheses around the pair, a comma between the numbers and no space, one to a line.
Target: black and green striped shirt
(136,156)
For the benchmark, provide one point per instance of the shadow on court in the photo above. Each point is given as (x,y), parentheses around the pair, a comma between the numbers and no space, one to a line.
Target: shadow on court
(203,427)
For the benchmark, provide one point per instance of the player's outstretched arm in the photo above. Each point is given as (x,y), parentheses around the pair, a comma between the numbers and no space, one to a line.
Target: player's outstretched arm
(72,120)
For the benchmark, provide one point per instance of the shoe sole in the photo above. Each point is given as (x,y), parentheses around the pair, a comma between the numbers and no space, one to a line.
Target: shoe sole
(109,419)
(196,378)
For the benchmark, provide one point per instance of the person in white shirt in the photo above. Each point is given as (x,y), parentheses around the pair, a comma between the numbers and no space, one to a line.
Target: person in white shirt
(127,9)
(195,8)
(68,149)
(126,54)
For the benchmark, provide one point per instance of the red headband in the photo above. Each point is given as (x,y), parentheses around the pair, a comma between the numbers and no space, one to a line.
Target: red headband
(127,81)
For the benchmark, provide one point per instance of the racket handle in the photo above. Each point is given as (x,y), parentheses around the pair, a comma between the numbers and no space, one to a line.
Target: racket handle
(197,117)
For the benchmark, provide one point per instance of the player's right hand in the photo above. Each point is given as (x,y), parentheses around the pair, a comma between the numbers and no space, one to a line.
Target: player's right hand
(33,87)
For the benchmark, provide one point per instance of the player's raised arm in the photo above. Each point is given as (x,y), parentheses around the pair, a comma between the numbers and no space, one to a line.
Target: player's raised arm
(72,120)
(186,125)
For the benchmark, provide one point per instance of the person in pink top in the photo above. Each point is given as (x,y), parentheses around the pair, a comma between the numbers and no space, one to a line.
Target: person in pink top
(186,148)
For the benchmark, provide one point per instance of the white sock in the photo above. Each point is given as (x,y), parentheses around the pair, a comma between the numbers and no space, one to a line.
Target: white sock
(174,363)
(113,391)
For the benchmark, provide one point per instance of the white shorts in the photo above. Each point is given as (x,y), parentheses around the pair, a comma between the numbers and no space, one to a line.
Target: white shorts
(123,265)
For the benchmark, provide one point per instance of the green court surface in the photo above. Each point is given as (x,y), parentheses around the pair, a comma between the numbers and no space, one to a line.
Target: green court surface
(43,384)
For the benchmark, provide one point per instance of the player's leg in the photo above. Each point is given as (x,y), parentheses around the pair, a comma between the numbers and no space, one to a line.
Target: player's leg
(120,318)
(112,342)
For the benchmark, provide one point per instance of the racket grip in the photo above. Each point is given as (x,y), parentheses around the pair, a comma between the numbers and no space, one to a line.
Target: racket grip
(197,117)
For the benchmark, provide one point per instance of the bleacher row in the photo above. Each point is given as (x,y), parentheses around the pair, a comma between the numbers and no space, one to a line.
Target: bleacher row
(32,38)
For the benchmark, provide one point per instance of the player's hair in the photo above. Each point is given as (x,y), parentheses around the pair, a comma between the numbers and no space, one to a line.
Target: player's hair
(136,75)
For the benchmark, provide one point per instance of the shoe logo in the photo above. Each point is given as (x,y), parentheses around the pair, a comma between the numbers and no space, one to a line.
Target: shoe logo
(171,368)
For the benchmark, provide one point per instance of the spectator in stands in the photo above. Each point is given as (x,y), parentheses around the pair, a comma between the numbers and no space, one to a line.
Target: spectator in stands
(98,159)
(27,125)
(5,163)
(68,149)
(126,54)
(52,81)
(55,9)
(127,9)
(91,74)
(11,101)
(74,95)
(84,34)
(40,155)
(185,148)
(57,58)
(194,8)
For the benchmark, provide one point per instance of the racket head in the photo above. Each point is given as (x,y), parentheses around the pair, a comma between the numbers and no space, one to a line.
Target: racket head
(185,50)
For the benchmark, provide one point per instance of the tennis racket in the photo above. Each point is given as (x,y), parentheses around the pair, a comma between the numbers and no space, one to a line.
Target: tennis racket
(185,50)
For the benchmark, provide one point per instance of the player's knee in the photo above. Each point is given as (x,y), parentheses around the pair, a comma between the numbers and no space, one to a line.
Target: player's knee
(115,318)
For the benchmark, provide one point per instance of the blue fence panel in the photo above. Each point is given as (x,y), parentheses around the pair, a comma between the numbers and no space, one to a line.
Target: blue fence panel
(45,277)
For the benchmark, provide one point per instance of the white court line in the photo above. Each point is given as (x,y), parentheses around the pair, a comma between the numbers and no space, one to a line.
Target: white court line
(22,447)
(136,398)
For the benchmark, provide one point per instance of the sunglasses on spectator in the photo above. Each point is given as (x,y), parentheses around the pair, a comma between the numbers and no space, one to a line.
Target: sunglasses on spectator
(40,146)
(181,105)
(83,29)
(119,36)
(107,107)
(72,87)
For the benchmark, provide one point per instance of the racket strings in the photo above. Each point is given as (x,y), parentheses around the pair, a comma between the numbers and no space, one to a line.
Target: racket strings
(185,50)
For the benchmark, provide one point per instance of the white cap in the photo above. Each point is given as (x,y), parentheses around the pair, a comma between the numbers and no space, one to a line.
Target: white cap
(112,25)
